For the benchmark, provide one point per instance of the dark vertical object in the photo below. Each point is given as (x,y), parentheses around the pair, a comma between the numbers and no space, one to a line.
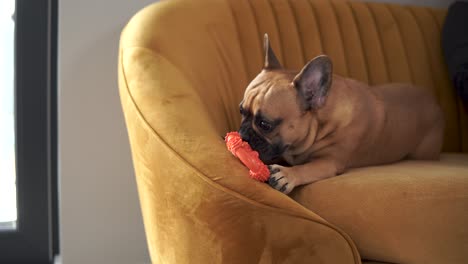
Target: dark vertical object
(53,124)
(36,238)
(455,47)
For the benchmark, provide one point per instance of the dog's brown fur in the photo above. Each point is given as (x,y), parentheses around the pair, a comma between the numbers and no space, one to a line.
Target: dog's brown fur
(326,125)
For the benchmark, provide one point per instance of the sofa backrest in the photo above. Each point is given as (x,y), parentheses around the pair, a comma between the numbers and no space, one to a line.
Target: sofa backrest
(217,45)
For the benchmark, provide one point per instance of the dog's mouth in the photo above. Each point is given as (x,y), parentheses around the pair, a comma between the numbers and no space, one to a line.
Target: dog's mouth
(268,153)
(275,158)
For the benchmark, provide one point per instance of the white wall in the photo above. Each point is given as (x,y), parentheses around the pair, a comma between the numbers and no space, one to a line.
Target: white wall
(100,215)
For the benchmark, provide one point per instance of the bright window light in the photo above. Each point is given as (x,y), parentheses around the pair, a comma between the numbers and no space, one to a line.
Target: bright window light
(8,213)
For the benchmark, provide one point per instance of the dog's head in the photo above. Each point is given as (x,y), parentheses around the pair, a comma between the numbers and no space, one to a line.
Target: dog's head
(278,109)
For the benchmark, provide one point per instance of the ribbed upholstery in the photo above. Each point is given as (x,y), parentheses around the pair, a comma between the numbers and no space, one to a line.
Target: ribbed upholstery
(183,68)
(372,42)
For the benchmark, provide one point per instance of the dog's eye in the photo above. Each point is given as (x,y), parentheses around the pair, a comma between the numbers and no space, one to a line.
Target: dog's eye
(265,126)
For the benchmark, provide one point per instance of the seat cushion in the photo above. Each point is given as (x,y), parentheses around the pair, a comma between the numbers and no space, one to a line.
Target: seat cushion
(408,212)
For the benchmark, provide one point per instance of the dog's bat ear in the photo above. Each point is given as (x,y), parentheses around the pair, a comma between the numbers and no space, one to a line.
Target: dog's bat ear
(271,62)
(314,81)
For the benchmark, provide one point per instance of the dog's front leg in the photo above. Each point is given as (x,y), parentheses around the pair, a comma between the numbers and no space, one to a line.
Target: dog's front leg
(284,179)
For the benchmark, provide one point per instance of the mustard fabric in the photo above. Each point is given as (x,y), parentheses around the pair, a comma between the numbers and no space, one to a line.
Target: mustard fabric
(409,212)
(183,68)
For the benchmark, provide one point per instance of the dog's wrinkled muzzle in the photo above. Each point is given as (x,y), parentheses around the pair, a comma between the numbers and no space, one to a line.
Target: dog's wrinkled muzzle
(267,152)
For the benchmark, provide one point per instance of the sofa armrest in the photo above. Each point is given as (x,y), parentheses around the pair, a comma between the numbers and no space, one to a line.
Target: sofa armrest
(198,204)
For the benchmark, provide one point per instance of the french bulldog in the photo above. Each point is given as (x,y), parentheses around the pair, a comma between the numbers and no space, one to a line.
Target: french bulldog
(312,125)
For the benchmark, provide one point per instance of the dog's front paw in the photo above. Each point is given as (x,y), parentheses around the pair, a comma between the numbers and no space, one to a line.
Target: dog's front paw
(281,178)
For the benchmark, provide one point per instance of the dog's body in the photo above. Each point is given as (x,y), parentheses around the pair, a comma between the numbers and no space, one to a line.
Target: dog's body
(323,124)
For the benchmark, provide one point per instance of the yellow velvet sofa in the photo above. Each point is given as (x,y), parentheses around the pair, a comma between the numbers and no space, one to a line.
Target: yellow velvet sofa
(183,68)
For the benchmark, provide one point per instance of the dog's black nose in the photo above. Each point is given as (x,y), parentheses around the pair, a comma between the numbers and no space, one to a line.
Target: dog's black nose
(244,135)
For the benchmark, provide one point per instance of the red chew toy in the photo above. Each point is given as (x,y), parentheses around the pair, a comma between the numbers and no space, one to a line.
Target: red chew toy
(248,156)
